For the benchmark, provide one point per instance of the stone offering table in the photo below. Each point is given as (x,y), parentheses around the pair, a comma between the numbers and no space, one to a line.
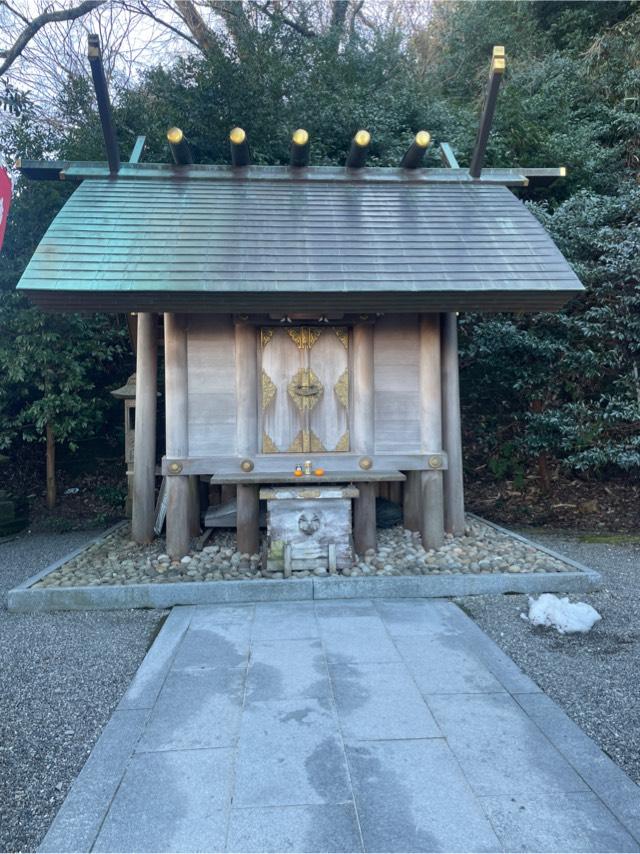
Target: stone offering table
(309,528)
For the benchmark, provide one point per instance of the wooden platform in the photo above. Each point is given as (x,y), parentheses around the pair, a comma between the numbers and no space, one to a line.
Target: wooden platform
(353,476)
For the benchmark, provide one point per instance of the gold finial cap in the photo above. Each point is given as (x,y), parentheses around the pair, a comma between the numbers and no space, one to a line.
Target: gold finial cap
(237,136)
(175,135)
(362,138)
(423,138)
(498,60)
(300,136)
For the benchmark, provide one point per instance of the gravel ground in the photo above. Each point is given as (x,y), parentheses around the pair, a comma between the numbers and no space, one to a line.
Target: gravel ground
(594,677)
(61,676)
(119,560)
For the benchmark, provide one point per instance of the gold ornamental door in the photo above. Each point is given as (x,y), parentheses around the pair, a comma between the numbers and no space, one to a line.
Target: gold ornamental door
(305,389)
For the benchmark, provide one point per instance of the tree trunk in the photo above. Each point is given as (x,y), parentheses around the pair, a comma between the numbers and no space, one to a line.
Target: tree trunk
(51,468)
(543,474)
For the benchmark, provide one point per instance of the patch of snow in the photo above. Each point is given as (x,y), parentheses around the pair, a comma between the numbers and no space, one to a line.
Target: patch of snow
(567,617)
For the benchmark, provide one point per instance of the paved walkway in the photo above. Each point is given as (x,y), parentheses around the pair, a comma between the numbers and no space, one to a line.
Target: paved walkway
(341,726)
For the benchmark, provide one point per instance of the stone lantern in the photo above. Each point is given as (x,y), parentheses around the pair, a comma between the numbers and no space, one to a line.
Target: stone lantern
(127,393)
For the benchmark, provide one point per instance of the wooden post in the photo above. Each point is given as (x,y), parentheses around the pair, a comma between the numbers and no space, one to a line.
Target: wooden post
(144,447)
(454,521)
(363,436)
(51,468)
(194,505)
(432,511)
(177,434)
(248,515)
(412,501)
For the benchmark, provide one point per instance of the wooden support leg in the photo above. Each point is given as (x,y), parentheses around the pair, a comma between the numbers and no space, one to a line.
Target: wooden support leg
(178,528)
(194,505)
(432,499)
(364,518)
(248,520)
(432,515)
(364,507)
(412,502)
(179,514)
(452,433)
(228,493)
(395,492)
(144,453)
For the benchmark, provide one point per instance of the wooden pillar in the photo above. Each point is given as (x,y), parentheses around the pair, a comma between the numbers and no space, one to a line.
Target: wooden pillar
(454,521)
(412,501)
(194,505)
(179,515)
(363,435)
(144,447)
(432,510)
(248,503)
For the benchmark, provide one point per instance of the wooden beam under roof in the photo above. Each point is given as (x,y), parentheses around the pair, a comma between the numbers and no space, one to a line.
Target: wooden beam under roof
(60,170)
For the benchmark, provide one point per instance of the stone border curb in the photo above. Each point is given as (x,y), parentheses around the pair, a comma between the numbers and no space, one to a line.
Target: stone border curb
(23,598)
(610,783)
(80,817)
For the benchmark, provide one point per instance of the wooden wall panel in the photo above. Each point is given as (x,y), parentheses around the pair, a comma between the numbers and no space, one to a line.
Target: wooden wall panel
(212,385)
(396,354)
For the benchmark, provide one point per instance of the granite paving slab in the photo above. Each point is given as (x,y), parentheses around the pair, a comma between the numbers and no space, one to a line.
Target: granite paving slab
(341,726)
(562,821)
(380,701)
(499,748)
(171,801)
(296,829)
(412,796)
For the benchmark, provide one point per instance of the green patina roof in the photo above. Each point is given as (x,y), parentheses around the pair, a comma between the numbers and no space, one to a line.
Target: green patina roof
(234,244)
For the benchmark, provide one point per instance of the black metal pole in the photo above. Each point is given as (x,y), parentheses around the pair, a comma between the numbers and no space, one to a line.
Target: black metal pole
(299,156)
(486,119)
(104,105)
(179,147)
(359,150)
(239,148)
(414,155)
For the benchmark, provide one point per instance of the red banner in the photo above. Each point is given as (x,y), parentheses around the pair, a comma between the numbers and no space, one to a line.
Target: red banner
(5,200)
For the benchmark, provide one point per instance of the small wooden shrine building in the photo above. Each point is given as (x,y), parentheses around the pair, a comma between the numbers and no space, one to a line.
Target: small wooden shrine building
(308,313)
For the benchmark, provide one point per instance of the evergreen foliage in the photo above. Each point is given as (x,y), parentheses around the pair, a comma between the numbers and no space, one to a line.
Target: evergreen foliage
(537,389)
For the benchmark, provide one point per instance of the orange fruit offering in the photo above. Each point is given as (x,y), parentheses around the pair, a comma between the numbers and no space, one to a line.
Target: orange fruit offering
(319,472)
(298,472)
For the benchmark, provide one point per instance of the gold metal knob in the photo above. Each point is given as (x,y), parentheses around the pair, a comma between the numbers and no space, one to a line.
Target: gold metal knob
(175,468)
(435,461)
(365,463)
(246,465)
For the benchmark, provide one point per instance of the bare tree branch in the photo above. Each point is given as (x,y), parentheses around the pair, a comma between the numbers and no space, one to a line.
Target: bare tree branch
(146,10)
(40,21)
(278,14)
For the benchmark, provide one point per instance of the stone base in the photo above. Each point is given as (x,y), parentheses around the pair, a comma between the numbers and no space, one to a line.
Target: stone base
(309,528)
